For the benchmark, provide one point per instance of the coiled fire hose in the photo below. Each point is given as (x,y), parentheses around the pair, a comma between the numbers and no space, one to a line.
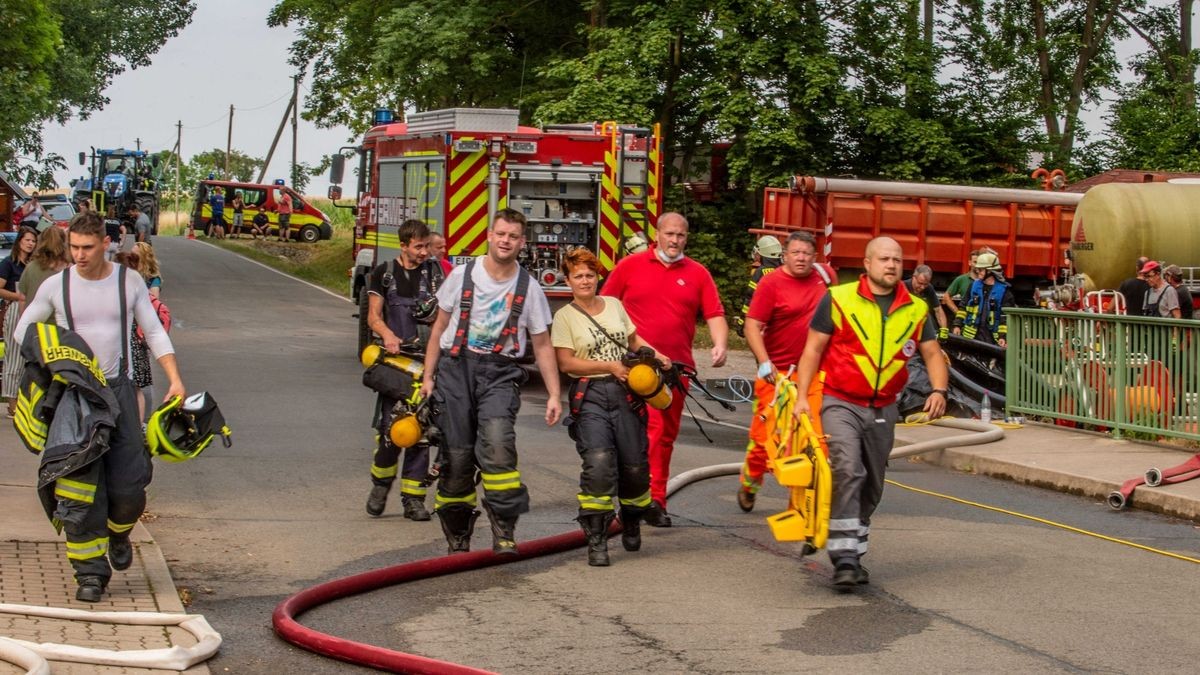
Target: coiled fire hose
(286,613)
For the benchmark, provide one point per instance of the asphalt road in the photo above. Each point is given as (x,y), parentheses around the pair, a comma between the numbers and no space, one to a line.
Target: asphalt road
(955,587)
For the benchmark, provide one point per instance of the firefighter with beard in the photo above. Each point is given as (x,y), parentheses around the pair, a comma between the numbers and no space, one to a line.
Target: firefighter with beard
(401,305)
(489,313)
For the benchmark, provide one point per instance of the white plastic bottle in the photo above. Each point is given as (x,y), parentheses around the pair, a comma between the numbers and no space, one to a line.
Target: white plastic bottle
(985,409)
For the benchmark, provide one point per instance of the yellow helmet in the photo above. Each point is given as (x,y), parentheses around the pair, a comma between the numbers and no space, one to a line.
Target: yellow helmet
(988,261)
(405,431)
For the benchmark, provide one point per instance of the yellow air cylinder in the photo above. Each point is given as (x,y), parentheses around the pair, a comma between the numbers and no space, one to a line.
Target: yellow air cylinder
(371,354)
(405,431)
(1116,222)
(646,382)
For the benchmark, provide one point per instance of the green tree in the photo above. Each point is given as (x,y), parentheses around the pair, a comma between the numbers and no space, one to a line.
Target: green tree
(242,167)
(60,55)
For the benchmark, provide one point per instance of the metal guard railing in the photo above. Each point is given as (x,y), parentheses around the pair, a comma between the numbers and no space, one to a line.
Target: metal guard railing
(1123,373)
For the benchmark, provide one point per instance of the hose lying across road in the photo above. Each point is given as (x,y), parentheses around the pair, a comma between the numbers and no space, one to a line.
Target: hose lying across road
(288,628)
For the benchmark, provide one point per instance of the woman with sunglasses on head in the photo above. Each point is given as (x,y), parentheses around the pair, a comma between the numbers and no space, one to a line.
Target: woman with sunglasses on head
(592,337)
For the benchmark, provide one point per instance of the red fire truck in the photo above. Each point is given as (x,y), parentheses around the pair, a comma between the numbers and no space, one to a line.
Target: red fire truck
(592,184)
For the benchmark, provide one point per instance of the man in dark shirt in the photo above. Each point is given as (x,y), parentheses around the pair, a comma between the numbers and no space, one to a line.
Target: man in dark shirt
(1174,277)
(921,285)
(1135,289)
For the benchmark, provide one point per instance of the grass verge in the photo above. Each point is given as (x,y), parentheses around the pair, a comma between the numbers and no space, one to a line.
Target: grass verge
(324,263)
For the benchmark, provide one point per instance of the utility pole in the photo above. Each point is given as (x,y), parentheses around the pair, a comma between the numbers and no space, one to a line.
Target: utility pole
(228,141)
(138,141)
(274,142)
(295,123)
(178,159)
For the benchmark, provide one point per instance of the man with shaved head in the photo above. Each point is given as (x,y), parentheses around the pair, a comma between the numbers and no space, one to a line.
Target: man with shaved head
(861,338)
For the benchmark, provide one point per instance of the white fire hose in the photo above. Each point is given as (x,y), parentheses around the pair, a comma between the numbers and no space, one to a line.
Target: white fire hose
(33,656)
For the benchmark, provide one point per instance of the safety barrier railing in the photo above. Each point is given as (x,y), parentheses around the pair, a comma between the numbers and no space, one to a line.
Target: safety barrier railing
(1120,373)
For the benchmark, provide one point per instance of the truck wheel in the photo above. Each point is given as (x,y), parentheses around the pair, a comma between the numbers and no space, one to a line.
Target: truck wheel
(309,234)
(364,330)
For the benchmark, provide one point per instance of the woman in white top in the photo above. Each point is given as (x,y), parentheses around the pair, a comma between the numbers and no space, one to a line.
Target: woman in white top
(592,338)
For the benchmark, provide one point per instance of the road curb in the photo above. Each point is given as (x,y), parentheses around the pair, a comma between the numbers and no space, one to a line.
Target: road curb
(1158,500)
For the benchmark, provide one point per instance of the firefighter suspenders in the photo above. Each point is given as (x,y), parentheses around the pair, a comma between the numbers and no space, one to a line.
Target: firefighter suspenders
(124,313)
(510,327)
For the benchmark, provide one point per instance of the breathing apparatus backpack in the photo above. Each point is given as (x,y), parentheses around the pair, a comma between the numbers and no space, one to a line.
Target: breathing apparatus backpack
(398,376)
(182,428)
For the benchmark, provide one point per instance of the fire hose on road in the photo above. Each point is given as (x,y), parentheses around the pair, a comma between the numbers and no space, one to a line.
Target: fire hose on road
(285,616)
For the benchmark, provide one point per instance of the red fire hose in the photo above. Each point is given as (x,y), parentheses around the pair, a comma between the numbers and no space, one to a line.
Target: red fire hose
(284,616)
(1118,499)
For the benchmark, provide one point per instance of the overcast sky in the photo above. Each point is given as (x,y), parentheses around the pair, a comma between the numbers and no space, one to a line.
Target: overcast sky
(225,55)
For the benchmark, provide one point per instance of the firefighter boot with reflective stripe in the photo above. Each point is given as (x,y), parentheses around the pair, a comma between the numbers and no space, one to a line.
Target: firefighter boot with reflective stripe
(631,529)
(504,541)
(595,526)
(377,500)
(91,588)
(120,552)
(414,508)
(458,524)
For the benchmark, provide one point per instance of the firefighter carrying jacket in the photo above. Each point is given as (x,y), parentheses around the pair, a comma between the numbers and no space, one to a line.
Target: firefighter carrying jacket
(409,305)
(769,253)
(981,316)
(592,337)
(476,388)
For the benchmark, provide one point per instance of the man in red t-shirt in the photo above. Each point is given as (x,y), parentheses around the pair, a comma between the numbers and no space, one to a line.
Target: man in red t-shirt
(776,329)
(663,292)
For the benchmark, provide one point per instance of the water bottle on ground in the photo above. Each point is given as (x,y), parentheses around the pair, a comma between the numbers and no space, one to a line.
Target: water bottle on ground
(985,409)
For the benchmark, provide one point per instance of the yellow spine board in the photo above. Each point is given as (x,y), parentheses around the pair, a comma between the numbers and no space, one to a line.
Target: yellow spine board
(798,463)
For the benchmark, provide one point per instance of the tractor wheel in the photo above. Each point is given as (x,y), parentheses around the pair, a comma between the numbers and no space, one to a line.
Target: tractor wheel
(148,205)
(309,234)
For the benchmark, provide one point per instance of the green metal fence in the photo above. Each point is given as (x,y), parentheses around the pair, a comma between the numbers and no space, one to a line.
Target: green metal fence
(1123,373)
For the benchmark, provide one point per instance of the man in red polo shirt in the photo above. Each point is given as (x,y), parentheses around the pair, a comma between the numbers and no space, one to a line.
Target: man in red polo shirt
(663,292)
(776,328)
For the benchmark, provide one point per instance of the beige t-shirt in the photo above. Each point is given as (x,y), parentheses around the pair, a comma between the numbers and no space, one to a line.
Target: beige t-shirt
(572,330)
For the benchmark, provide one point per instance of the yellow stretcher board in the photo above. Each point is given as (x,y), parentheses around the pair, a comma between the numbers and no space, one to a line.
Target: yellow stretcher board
(796,459)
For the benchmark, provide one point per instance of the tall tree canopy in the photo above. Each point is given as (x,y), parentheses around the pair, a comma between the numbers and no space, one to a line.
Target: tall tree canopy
(58,57)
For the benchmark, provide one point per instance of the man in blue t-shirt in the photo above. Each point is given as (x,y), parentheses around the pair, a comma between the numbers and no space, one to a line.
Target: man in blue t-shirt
(217,203)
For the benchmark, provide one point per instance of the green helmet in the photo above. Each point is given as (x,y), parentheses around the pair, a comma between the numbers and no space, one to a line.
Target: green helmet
(181,429)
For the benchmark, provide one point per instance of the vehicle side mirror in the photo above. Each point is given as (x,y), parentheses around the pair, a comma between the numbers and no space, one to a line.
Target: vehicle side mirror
(337,168)
(82,158)
(72,182)
(334,193)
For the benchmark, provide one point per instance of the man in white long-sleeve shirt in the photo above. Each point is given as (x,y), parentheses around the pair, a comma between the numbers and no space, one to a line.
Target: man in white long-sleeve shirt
(84,298)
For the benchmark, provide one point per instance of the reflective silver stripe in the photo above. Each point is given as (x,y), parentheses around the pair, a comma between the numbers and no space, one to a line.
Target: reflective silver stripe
(847,544)
(845,524)
(864,530)
(862,547)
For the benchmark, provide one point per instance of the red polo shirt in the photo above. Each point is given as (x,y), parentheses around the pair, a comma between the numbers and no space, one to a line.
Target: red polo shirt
(785,305)
(664,300)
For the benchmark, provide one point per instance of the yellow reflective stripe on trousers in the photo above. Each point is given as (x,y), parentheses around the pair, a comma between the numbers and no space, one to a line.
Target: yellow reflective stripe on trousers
(120,528)
(86,550)
(73,489)
(440,500)
(641,500)
(383,471)
(412,487)
(595,503)
(501,481)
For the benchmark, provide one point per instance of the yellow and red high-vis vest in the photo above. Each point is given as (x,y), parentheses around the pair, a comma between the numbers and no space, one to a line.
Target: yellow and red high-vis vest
(865,360)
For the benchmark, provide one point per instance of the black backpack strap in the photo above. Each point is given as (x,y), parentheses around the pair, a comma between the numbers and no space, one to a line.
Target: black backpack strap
(67,298)
(514,314)
(603,332)
(464,310)
(122,368)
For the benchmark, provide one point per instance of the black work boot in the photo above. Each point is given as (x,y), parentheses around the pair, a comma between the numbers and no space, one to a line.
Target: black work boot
(414,508)
(504,541)
(631,529)
(595,526)
(377,500)
(656,515)
(458,524)
(120,552)
(91,588)
(845,577)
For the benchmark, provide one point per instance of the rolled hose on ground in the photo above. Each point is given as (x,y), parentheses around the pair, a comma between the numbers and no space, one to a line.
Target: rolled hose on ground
(33,655)
(290,630)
